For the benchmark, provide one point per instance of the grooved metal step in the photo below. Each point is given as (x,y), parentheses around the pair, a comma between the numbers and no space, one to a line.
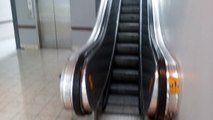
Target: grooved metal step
(129,27)
(123,100)
(130,9)
(123,75)
(127,110)
(130,2)
(125,48)
(129,18)
(124,89)
(127,61)
(126,37)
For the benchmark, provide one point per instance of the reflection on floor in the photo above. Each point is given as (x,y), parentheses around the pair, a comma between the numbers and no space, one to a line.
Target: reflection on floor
(29,85)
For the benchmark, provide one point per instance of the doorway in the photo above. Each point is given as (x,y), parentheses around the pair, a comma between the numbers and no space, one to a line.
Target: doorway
(54,23)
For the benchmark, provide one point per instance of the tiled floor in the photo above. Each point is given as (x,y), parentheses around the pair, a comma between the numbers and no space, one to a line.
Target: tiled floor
(29,81)
(7,47)
(29,85)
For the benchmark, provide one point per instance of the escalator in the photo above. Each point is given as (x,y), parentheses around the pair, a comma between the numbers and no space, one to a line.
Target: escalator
(123,94)
(122,72)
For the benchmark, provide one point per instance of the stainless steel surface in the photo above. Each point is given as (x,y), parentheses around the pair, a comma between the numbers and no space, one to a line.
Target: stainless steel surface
(28,38)
(173,70)
(54,27)
(187,29)
(55,23)
(66,84)
(23,15)
(63,23)
(47,28)
(35,12)
(153,104)
(84,96)
(30,8)
(75,56)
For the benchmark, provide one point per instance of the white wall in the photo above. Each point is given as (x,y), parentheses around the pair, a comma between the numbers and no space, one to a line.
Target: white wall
(5,10)
(6,28)
(6,31)
(188,31)
(83,15)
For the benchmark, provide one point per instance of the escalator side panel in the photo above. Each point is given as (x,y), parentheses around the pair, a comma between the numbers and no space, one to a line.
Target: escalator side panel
(99,61)
(161,68)
(77,79)
(161,104)
(147,60)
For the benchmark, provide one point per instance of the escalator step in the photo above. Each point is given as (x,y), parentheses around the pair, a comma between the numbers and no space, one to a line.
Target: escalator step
(130,2)
(124,89)
(126,37)
(130,9)
(109,116)
(127,48)
(129,27)
(127,110)
(123,75)
(123,100)
(126,61)
(129,18)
